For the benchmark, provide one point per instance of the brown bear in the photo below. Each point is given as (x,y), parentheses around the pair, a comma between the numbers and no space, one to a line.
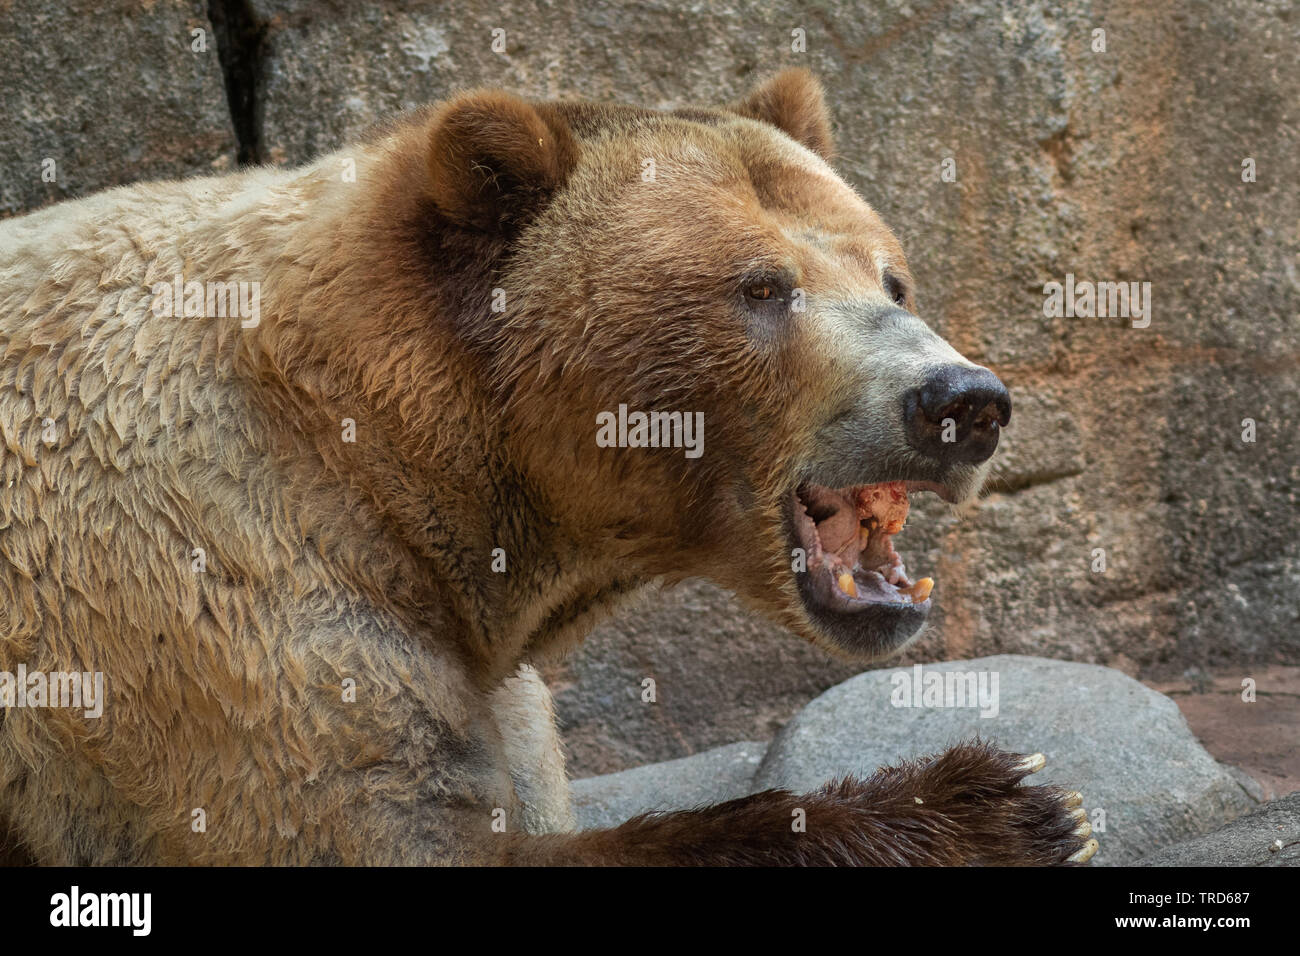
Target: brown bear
(310,465)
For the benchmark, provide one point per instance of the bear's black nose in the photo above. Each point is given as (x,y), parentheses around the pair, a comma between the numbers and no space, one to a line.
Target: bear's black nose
(955,417)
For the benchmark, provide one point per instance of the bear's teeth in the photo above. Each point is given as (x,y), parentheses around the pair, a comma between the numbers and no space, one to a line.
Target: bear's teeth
(847,584)
(919,591)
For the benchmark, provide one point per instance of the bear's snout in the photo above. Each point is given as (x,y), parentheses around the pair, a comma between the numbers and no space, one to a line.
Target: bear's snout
(957,415)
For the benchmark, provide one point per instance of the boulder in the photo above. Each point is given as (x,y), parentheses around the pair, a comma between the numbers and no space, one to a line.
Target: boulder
(1269,836)
(1146,782)
(723,773)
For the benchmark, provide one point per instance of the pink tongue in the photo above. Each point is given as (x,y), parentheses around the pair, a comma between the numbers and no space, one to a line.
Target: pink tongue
(839,535)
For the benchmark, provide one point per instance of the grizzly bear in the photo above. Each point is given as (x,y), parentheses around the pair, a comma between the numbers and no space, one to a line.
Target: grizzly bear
(305,464)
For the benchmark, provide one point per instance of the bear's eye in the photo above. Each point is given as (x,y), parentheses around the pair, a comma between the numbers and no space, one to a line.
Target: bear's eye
(895,289)
(768,295)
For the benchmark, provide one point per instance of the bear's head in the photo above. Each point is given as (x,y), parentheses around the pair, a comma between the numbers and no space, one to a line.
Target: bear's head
(702,349)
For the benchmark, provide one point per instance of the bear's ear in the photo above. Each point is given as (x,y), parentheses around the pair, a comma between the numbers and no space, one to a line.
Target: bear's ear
(794,103)
(494,159)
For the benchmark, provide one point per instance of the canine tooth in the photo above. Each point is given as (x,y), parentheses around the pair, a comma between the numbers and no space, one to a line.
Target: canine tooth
(847,584)
(864,535)
(920,590)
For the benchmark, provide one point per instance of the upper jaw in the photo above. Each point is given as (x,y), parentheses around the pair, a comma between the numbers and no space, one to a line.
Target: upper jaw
(955,484)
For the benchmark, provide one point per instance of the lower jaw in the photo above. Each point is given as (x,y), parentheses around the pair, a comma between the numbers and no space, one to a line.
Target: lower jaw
(876,632)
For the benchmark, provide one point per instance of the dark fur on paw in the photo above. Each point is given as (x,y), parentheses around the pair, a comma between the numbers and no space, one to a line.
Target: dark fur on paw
(967,806)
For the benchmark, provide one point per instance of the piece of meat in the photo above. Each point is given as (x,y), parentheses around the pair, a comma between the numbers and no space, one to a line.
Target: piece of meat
(886,502)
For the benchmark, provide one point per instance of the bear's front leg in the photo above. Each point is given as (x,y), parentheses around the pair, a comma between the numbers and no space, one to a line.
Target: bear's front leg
(964,807)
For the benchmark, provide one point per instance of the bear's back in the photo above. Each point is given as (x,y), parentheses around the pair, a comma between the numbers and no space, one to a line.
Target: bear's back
(125,428)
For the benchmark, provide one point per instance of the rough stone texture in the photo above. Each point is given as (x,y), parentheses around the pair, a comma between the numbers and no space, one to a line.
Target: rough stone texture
(1251,840)
(1253,788)
(1122,165)
(1124,746)
(723,773)
(111,92)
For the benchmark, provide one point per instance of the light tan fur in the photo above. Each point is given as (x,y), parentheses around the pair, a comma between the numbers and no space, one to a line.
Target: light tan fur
(525,714)
(225,688)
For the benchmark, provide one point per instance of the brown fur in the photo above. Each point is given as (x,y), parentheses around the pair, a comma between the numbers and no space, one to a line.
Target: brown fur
(793,103)
(492,154)
(370,561)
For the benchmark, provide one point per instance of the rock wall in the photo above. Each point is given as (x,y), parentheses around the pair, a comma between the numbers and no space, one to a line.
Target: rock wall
(94,95)
(1117,165)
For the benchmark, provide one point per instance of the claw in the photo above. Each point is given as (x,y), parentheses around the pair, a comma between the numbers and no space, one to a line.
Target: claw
(1032,764)
(1084,828)
(1074,799)
(1085,854)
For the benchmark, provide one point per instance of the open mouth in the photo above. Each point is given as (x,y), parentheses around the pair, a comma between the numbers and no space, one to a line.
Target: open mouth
(847,535)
